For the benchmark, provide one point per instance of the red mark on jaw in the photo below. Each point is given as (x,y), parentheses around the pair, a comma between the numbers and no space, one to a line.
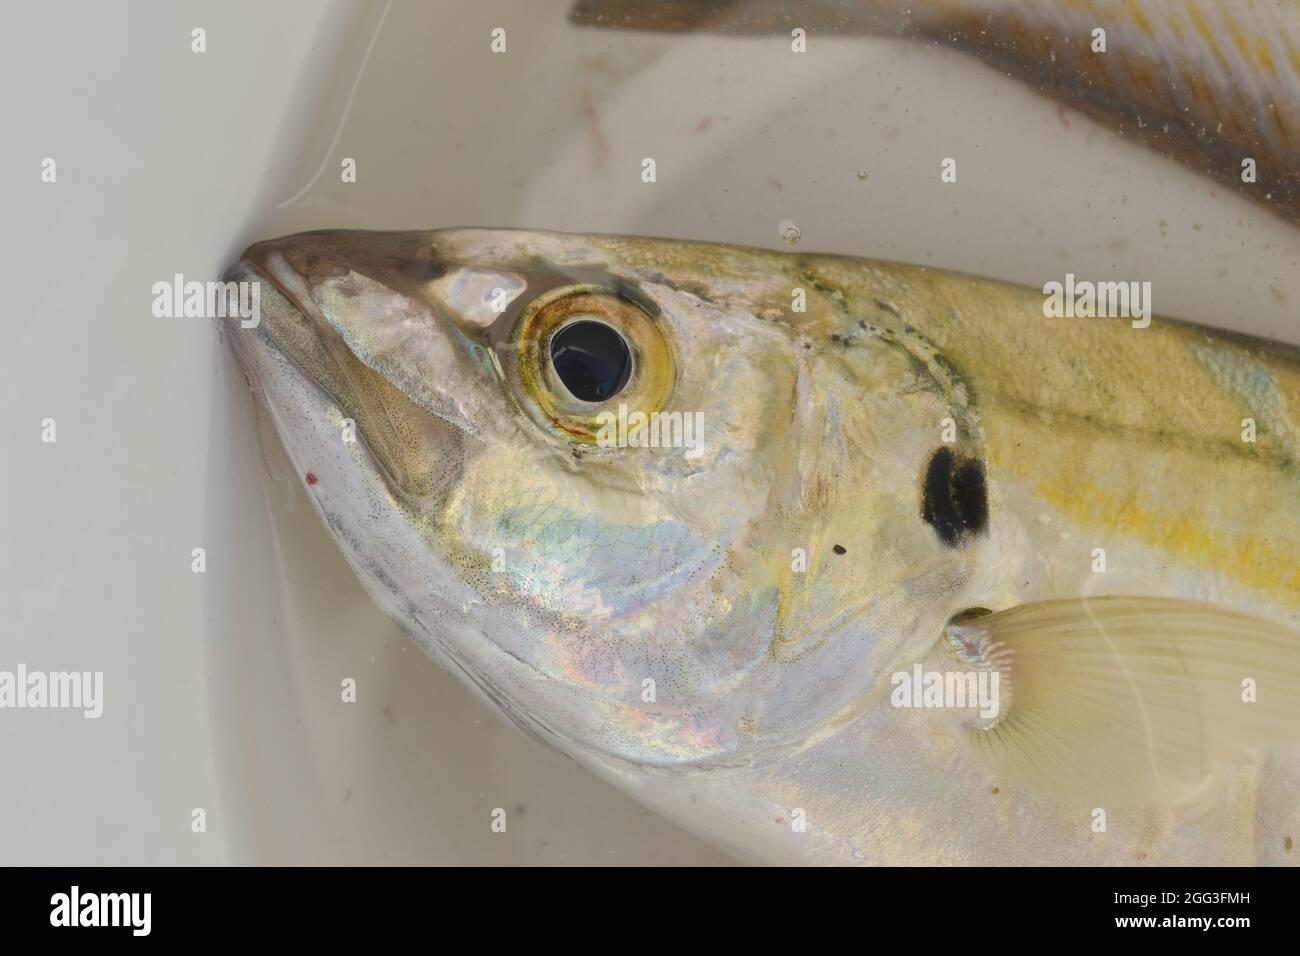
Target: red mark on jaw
(311,478)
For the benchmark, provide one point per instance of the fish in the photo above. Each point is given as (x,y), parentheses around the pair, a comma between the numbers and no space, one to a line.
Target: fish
(1212,85)
(830,560)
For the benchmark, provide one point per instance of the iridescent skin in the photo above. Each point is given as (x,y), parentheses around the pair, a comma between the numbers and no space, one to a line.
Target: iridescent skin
(558,579)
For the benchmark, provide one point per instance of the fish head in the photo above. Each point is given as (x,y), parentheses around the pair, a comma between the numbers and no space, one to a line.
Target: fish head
(648,502)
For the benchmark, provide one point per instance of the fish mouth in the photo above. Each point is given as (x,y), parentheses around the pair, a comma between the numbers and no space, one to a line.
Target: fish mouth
(367,295)
(271,300)
(383,358)
(378,495)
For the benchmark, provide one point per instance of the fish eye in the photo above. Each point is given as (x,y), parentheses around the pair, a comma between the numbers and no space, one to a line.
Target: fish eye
(580,352)
(591,359)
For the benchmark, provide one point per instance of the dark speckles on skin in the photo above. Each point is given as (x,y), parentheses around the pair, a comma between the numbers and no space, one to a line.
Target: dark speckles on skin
(840,549)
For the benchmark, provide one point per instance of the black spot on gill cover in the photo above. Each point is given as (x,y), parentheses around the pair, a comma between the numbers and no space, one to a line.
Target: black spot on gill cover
(954,499)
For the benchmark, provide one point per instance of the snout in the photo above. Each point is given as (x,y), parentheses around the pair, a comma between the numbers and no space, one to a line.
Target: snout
(346,329)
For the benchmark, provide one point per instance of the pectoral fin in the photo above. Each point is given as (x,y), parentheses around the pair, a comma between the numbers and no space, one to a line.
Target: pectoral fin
(1130,700)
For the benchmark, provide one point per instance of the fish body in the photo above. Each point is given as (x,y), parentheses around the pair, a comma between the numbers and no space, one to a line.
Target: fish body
(859,470)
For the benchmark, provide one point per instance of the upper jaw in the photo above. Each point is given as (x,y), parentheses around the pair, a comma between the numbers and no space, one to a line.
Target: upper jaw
(336,299)
(380,366)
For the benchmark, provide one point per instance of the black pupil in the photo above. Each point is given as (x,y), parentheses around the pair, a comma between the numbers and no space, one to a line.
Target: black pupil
(591,359)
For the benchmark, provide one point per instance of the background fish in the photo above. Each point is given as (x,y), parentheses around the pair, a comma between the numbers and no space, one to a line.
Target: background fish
(918,468)
(1206,82)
